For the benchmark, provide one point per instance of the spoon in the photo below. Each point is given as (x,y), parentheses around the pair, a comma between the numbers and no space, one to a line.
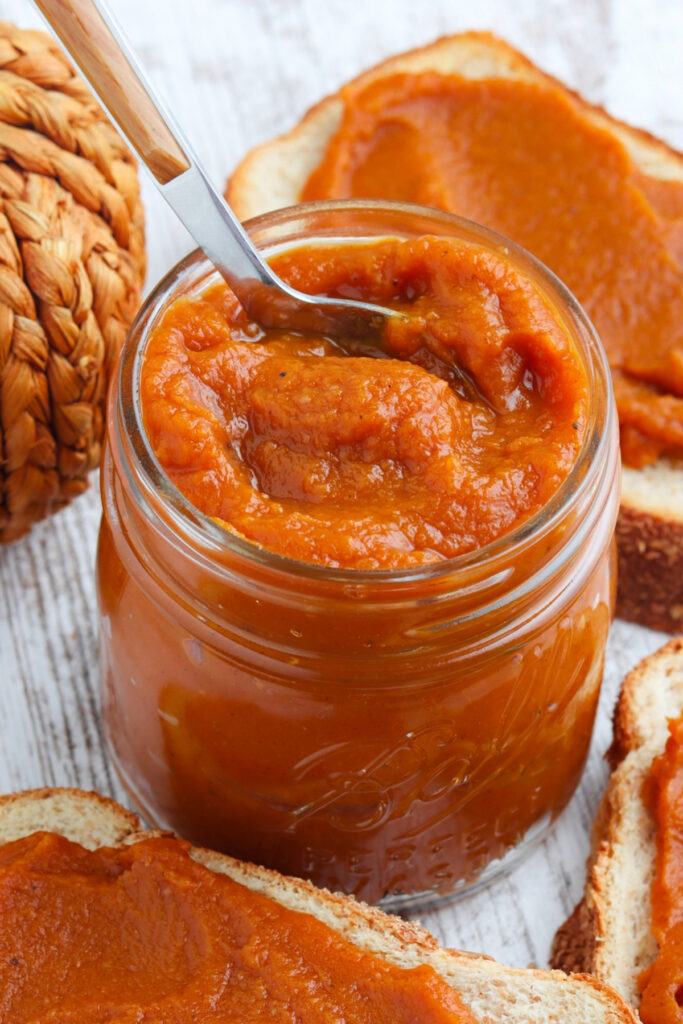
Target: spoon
(100,50)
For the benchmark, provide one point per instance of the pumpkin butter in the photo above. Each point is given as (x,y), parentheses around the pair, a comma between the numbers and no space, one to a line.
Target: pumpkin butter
(662,1001)
(144,932)
(460,428)
(522,159)
(392,733)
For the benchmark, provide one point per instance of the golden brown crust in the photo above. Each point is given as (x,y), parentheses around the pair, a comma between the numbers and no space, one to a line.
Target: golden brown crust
(650,577)
(97,819)
(127,820)
(576,943)
(573,947)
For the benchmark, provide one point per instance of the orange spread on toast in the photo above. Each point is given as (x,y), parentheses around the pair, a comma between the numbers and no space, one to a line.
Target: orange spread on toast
(143,932)
(662,982)
(523,159)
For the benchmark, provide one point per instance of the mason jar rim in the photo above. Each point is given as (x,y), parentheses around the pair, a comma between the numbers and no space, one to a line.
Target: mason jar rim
(203,532)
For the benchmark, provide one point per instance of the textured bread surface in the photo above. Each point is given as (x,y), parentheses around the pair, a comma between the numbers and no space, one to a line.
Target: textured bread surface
(609,933)
(494,994)
(650,544)
(650,529)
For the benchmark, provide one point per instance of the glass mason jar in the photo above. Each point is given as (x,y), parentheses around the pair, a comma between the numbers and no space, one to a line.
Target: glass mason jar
(395,734)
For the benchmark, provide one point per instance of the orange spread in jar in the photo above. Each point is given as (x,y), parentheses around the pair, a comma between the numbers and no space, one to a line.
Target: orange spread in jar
(662,982)
(460,429)
(144,932)
(524,160)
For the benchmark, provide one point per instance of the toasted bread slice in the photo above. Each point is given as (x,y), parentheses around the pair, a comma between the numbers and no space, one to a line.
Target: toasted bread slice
(493,993)
(650,530)
(609,934)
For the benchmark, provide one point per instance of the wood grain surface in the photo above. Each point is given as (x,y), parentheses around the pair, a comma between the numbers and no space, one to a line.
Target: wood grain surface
(236,72)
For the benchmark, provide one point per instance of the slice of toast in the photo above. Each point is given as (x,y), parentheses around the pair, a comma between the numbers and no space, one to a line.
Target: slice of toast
(493,993)
(650,529)
(609,933)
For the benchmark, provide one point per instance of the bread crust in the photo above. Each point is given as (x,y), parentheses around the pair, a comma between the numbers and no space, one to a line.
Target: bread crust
(83,815)
(574,943)
(621,865)
(650,544)
(495,994)
(650,574)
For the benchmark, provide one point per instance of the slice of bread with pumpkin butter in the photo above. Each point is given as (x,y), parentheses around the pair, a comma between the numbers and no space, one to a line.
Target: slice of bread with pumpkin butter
(469,125)
(100,921)
(626,930)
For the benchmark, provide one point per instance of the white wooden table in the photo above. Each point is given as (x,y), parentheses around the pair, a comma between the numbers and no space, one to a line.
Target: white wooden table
(237,72)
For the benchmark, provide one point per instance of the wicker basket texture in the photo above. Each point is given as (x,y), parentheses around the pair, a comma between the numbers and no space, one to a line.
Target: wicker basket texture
(72,264)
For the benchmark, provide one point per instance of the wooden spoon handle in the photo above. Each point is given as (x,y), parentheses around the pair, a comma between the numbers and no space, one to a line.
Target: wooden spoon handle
(102,58)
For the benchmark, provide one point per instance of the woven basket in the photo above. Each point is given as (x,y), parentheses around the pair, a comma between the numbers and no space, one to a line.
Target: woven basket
(71,268)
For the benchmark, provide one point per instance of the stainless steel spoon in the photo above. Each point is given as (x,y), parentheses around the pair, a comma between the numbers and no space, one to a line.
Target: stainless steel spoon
(98,47)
